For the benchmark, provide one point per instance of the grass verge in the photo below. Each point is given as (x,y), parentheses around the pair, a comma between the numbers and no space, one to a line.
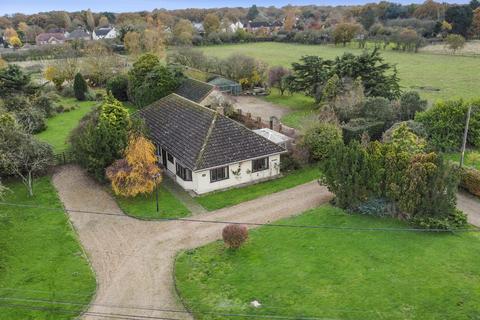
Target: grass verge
(335,274)
(144,206)
(40,257)
(222,199)
(472,158)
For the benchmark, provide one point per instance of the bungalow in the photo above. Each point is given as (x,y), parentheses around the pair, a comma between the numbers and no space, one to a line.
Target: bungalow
(204,150)
(50,38)
(104,33)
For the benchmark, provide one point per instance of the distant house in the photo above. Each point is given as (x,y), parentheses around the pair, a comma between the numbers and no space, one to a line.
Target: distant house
(50,38)
(204,150)
(104,33)
(79,34)
(199,28)
(264,26)
(234,26)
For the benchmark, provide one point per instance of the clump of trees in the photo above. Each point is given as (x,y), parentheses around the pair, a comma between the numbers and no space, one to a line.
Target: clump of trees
(21,154)
(246,70)
(101,137)
(23,100)
(137,173)
(149,80)
(399,177)
(235,235)
(379,79)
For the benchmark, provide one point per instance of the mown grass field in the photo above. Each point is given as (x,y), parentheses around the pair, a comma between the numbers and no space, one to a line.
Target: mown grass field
(227,198)
(453,76)
(60,125)
(335,274)
(40,257)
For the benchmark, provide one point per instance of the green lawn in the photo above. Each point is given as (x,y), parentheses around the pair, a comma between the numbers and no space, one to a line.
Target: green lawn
(40,257)
(336,274)
(454,76)
(60,125)
(144,207)
(300,105)
(472,158)
(222,199)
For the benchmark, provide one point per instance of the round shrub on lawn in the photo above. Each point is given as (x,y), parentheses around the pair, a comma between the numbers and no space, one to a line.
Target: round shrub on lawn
(234,235)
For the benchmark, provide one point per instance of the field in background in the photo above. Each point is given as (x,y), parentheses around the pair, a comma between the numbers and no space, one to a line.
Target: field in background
(435,76)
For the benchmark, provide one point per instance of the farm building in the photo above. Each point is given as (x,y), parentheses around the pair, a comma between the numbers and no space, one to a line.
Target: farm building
(203,150)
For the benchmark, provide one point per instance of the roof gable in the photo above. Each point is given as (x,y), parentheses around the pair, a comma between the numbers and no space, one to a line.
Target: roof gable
(199,137)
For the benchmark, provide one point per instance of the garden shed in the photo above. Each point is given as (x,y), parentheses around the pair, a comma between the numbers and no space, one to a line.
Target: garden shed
(226,85)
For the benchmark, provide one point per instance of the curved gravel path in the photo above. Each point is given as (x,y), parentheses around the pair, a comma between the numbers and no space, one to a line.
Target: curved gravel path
(133,259)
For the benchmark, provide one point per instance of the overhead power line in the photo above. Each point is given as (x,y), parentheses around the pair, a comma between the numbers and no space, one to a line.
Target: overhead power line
(222,314)
(327,227)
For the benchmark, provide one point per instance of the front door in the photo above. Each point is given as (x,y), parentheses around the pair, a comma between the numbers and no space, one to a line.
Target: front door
(164,157)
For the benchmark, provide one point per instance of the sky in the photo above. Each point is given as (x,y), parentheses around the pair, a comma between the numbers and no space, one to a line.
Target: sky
(33,6)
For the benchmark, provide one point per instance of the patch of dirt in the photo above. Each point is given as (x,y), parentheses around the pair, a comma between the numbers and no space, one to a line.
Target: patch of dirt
(134,260)
(259,107)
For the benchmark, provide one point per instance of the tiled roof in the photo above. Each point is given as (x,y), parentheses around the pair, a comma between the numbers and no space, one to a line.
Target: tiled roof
(102,31)
(48,36)
(194,90)
(201,138)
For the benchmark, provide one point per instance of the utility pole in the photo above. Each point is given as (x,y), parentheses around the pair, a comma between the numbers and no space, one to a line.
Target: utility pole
(465,135)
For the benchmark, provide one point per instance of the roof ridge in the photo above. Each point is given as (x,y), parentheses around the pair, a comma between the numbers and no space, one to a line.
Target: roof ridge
(205,142)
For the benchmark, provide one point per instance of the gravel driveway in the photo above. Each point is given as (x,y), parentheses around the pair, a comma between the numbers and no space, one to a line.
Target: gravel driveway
(133,259)
(259,107)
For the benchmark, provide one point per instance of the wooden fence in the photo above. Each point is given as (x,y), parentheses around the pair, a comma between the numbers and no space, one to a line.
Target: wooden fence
(258,123)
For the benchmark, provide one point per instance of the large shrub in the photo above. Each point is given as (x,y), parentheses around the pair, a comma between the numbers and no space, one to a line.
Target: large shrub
(80,87)
(378,109)
(234,235)
(321,139)
(410,104)
(101,137)
(445,123)
(118,87)
(13,81)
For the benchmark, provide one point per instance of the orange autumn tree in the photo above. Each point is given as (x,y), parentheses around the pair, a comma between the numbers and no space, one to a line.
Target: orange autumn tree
(137,172)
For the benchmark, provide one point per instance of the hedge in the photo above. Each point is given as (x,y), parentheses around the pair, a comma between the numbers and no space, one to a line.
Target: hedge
(470,180)
(356,127)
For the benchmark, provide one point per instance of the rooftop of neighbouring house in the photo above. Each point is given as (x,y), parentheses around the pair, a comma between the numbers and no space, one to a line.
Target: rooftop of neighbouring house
(194,90)
(201,138)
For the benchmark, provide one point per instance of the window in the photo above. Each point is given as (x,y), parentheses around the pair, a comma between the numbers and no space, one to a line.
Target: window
(170,157)
(184,173)
(218,174)
(260,164)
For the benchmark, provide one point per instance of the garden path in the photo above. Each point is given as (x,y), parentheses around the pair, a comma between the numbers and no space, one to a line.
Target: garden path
(134,259)
(470,205)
